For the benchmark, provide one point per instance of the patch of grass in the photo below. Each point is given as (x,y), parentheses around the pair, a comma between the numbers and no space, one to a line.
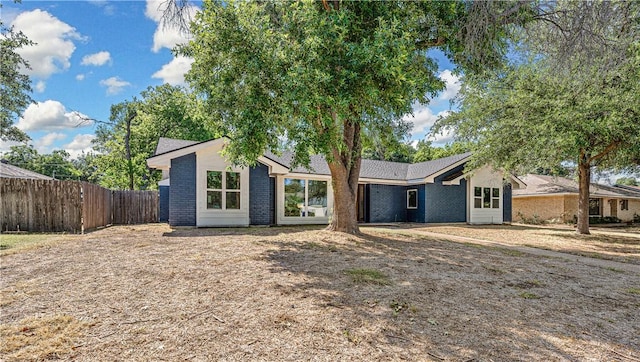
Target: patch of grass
(634,291)
(508,251)
(41,338)
(528,295)
(351,337)
(615,269)
(368,276)
(11,243)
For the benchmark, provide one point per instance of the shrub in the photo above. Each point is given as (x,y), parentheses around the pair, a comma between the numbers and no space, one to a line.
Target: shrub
(604,220)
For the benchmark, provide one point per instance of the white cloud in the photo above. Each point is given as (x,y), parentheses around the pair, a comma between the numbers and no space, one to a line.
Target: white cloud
(50,115)
(114,85)
(423,118)
(54,42)
(80,77)
(42,144)
(166,36)
(446,136)
(5,146)
(40,86)
(97,59)
(453,85)
(80,144)
(173,72)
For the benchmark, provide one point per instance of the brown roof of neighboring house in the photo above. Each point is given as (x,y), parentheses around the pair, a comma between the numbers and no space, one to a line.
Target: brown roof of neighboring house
(11,171)
(542,185)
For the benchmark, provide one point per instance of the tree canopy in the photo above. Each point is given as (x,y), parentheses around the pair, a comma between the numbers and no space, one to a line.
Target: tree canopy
(572,97)
(132,132)
(15,86)
(315,77)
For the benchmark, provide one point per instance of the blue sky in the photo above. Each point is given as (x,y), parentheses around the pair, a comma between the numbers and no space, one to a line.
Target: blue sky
(92,54)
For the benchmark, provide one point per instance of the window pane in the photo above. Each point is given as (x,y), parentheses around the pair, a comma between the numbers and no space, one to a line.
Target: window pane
(412,199)
(486,199)
(317,198)
(477,192)
(594,207)
(214,179)
(293,197)
(233,181)
(496,192)
(477,203)
(496,203)
(233,200)
(214,199)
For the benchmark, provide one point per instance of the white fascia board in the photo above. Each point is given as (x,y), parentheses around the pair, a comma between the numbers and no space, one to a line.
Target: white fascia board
(163,161)
(455,181)
(432,178)
(307,176)
(380,181)
(274,167)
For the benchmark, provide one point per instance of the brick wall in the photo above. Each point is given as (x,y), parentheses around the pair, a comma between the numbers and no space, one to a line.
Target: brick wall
(163,214)
(417,215)
(182,192)
(506,203)
(261,195)
(446,203)
(387,203)
(544,208)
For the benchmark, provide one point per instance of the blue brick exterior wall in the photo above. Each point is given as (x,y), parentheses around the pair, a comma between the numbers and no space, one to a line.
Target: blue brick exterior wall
(446,203)
(261,195)
(417,215)
(182,192)
(506,203)
(163,213)
(387,203)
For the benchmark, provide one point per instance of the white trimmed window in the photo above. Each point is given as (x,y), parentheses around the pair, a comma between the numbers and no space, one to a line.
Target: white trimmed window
(305,198)
(223,190)
(412,199)
(486,197)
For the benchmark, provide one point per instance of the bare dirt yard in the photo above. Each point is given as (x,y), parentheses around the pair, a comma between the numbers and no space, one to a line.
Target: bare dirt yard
(141,293)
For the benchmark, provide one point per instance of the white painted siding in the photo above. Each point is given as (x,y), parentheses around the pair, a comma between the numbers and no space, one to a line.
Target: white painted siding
(209,159)
(484,177)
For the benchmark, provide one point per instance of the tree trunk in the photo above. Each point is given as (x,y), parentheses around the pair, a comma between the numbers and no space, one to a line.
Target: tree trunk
(584,181)
(345,171)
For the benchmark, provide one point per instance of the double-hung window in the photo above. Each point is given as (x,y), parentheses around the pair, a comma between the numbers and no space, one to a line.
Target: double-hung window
(223,190)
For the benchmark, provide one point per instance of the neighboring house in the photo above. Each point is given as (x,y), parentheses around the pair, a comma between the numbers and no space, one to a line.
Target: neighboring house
(556,198)
(200,188)
(10,171)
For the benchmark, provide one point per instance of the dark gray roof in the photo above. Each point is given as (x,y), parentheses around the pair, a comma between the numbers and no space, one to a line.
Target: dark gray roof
(428,168)
(373,169)
(170,144)
(11,171)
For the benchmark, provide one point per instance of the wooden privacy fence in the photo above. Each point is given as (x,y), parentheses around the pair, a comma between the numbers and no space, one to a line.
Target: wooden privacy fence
(70,206)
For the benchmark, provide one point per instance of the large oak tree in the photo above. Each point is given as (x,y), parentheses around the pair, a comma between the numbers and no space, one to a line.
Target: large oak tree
(315,76)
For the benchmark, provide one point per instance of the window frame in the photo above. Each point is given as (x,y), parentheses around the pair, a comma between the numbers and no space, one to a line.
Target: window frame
(224,190)
(597,200)
(484,197)
(305,202)
(409,191)
(624,205)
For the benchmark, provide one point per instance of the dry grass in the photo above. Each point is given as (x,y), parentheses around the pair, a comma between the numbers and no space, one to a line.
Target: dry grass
(40,338)
(149,293)
(13,243)
(618,244)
